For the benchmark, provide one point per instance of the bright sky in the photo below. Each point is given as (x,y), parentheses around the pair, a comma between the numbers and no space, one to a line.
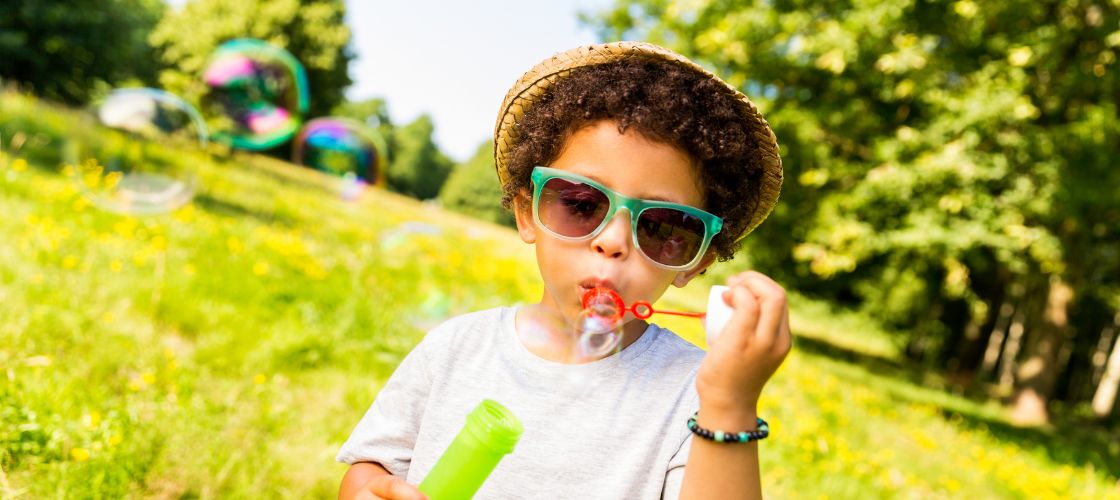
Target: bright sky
(455,60)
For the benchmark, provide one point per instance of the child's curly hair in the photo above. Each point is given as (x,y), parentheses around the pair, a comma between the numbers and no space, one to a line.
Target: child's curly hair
(664,103)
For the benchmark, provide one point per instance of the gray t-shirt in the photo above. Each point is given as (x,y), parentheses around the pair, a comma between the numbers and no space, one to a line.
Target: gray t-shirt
(613,428)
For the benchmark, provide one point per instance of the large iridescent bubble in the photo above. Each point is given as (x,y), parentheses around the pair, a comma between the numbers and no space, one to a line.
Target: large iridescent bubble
(133,157)
(341,147)
(256,94)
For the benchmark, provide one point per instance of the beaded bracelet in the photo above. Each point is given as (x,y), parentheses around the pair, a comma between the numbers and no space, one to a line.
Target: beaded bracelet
(729,437)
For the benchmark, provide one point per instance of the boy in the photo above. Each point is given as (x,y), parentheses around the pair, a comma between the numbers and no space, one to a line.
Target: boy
(579,137)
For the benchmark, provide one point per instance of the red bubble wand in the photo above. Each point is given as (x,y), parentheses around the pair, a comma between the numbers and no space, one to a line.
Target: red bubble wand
(607,304)
(641,309)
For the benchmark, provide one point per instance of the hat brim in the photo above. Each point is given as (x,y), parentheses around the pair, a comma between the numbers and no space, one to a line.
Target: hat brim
(537,81)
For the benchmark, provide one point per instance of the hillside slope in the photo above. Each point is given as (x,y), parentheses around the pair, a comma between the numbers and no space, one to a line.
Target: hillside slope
(228,348)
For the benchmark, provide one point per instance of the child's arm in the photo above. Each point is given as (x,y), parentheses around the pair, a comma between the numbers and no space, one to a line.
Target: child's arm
(370,481)
(749,350)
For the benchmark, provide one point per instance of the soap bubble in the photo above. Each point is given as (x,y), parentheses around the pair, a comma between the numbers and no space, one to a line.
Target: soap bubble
(130,159)
(341,147)
(351,187)
(407,232)
(256,93)
(433,310)
(599,329)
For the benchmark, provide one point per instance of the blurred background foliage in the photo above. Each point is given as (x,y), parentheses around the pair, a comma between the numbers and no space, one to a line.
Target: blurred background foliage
(314,31)
(473,189)
(71,51)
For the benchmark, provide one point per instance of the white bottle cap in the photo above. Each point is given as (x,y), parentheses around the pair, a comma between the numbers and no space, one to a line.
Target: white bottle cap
(717,314)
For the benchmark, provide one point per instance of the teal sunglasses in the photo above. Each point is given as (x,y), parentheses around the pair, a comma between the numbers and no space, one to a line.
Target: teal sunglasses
(573,207)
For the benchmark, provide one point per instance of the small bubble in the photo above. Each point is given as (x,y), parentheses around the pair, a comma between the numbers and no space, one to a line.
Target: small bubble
(340,147)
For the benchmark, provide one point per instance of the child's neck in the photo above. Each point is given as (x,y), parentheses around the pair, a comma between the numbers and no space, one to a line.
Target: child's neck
(544,334)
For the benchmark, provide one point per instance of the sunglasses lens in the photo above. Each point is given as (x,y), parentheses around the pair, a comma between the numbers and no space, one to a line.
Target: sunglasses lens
(572,209)
(669,236)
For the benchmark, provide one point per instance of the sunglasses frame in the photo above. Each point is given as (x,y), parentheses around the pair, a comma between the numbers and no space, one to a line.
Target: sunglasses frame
(712,223)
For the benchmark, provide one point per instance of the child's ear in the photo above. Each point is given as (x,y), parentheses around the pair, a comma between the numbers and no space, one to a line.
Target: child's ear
(523,215)
(683,277)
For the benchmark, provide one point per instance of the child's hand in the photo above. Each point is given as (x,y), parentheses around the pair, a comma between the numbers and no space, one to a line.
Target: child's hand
(752,345)
(389,487)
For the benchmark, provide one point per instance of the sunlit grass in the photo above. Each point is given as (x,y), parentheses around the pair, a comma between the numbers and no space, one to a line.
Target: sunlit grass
(227,349)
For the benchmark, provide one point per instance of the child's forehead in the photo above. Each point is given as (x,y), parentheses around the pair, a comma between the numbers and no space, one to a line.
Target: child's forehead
(632,164)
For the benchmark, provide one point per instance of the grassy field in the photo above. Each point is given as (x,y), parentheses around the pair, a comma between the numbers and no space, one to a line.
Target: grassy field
(227,349)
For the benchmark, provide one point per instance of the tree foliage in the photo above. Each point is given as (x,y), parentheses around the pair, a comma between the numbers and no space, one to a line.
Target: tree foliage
(314,31)
(70,51)
(948,164)
(473,188)
(417,168)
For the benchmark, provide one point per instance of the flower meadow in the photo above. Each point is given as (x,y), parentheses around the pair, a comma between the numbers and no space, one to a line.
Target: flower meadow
(226,349)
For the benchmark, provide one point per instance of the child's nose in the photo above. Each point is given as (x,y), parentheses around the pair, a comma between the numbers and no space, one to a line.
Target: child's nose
(614,240)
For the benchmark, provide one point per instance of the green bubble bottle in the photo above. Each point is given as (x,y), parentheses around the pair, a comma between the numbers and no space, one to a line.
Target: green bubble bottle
(490,433)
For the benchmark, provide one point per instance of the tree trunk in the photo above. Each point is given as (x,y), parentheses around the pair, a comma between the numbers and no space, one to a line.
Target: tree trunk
(1035,377)
(1008,360)
(1105,398)
(995,341)
(1100,356)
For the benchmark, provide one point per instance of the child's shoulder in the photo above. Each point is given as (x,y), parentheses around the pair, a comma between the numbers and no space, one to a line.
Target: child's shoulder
(673,348)
(472,325)
(485,318)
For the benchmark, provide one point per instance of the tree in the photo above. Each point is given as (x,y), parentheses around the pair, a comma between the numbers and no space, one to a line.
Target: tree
(71,51)
(942,160)
(473,188)
(314,31)
(418,168)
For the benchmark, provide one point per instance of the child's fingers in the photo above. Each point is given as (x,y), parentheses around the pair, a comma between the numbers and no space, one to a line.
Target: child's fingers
(741,326)
(395,488)
(734,279)
(785,335)
(771,299)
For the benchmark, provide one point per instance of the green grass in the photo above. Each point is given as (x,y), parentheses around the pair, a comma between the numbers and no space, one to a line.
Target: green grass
(227,349)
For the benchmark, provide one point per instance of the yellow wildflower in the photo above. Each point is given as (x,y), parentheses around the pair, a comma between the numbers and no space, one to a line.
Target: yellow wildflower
(185,214)
(92,419)
(235,246)
(953,485)
(79,454)
(79,204)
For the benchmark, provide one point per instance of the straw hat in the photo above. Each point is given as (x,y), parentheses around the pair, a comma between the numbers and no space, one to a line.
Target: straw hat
(536,82)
